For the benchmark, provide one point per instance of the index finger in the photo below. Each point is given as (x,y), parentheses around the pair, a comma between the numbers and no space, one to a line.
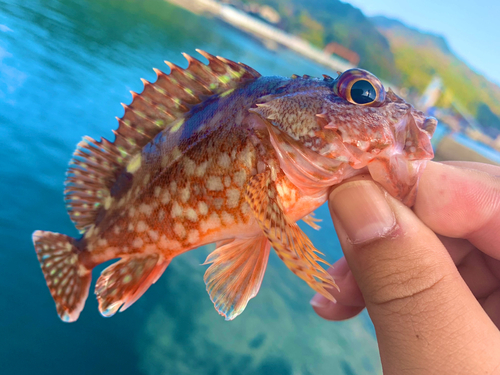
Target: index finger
(462,201)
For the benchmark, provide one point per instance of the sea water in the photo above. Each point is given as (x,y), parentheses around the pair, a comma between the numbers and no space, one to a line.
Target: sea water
(65,66)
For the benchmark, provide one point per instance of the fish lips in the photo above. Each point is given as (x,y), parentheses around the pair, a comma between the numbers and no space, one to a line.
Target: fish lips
(398,168)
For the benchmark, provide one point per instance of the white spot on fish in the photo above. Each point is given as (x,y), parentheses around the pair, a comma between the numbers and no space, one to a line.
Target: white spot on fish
(107,202)
(179,230)
(191,215)
(213,222)
(224,160)
(164,160)
(240,178)
(247,157)
(173,187)
(176,210)
(142,226)
(227,181)
(193,236)
(201,169)
(176,153)
(165,197)
(157,191)
(214,183)
(189,166)
(202,208)
(146,209)
(137,242)
(153,235)
(233,197)
(185,194)
(131,212)
(90,231)
(102,242)
(134,164)
(227,219)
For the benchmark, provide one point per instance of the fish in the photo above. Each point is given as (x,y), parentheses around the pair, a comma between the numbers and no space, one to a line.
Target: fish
(216,153)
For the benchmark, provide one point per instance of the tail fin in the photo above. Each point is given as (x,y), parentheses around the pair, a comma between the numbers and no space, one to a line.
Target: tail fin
(67,279)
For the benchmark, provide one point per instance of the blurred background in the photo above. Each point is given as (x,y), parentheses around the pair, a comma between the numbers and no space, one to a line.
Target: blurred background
(65,66)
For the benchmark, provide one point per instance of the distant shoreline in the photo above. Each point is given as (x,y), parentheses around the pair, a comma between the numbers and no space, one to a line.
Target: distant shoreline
(261,29)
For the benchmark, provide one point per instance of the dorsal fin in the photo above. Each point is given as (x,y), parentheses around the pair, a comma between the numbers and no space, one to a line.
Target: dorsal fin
(96,165)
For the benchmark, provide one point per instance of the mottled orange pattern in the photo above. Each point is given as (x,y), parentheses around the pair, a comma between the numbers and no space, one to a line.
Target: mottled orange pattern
(218,154)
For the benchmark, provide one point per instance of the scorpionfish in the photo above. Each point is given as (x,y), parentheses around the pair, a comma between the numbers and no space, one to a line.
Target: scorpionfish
(217,153)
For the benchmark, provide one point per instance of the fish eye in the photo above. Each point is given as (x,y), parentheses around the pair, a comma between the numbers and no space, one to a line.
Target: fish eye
(360,87)
(363,92)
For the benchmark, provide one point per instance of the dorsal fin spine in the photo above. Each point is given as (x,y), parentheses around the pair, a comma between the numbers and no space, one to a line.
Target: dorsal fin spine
(161,105)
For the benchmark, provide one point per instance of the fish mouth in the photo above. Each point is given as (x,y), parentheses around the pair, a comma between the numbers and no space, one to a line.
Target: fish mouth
(399,170)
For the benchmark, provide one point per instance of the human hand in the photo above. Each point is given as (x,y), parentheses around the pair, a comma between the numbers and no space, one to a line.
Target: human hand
(429,278)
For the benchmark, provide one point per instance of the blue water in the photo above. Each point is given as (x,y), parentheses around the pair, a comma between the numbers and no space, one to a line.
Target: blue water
(480,147)
(65,66)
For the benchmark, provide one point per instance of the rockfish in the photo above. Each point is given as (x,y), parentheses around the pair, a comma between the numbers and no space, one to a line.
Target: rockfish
(219,154)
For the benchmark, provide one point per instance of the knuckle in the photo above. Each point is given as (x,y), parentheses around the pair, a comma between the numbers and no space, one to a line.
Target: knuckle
(397,281)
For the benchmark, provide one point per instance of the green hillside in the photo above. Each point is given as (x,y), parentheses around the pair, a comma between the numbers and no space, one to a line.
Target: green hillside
(419,56)
(324,21)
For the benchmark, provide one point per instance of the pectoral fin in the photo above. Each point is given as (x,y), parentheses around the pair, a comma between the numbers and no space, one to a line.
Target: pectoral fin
(285,236)
(236,273)
(311,220)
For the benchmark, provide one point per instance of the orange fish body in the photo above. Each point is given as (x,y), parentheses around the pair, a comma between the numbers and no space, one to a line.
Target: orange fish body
(218,154)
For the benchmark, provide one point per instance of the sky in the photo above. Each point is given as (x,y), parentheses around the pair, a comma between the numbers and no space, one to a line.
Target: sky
(471,27)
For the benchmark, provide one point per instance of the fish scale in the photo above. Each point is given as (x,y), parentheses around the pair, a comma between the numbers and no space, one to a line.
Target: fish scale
(215,153)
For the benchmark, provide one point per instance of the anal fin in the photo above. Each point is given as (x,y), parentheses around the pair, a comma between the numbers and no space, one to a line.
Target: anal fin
(236,273)
(125,281)
(290,243)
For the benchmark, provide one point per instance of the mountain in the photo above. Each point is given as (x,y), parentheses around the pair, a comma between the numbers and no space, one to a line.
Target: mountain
(324,21)
(419,56)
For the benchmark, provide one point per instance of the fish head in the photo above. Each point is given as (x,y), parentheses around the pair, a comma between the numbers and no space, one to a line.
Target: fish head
(354,126)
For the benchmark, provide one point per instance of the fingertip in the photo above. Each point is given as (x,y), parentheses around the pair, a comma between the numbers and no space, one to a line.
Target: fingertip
(461,202)
(349,293)
(336,311)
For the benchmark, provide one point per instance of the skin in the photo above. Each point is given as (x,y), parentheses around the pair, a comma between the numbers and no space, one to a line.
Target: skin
(429,276)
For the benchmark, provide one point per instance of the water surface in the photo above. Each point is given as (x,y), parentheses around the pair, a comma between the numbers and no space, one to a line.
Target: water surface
(65,66)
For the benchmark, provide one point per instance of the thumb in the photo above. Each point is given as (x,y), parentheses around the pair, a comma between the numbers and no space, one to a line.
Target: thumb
(424,315)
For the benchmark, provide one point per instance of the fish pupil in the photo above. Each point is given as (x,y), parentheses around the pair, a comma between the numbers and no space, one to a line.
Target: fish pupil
(363,92)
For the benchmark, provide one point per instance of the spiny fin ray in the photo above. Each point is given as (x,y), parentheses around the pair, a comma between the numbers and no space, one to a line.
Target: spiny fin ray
(96,165)
(285,236)
(125,281)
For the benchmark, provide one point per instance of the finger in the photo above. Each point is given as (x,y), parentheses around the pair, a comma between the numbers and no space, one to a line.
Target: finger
(476,274)
(349,300)
(492,307)
(336,311)
(348,293)
(494,170)
(421,308)
(458,248)
(461,203)
(493,266)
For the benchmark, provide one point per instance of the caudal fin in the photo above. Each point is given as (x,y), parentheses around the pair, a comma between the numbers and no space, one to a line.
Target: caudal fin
(67,279)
